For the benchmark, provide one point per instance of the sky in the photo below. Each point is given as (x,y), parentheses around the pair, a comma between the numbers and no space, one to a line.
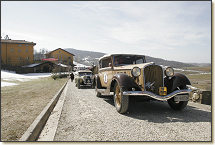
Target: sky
(177,30)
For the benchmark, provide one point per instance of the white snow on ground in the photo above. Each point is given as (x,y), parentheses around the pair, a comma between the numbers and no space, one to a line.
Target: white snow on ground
(3,84)
(12,76)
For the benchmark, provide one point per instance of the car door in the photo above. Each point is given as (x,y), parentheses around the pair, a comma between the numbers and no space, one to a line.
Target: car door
(105,71)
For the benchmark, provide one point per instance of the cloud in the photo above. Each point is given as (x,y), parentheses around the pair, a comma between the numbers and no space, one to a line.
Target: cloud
(167,26)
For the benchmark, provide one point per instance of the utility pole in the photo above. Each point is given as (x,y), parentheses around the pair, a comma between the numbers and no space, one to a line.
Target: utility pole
(6,38)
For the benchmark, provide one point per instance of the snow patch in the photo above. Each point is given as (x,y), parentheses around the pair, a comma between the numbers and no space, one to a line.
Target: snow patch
(12,76)
(3,84)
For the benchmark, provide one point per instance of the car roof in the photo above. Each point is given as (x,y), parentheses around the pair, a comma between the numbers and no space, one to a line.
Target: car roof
(109,55)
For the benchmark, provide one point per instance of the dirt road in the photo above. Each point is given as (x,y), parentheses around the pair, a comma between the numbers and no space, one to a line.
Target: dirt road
(85,117)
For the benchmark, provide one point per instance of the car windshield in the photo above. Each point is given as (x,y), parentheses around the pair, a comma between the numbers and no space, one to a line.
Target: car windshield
(121,60)
(85,73)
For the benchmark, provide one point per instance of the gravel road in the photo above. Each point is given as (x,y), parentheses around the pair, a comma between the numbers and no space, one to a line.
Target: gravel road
(85,117)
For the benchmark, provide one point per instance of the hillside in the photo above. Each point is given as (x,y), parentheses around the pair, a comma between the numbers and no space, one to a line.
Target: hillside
(85,57)
(89,57)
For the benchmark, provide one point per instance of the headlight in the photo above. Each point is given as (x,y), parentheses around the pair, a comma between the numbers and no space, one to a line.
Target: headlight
(136,71)
(169,72)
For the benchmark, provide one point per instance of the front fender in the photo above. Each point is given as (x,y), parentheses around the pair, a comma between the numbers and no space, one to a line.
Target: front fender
(125,82)
(97,81)
(178,80)
(80,79)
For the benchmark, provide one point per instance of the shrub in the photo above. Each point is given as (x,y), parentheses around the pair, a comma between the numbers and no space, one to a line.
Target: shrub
(56,76)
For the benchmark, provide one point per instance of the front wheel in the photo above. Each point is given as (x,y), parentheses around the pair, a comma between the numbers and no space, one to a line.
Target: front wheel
(93,86)
(79,84)
(98,94)
(177,105)
(97,86)
(121,101)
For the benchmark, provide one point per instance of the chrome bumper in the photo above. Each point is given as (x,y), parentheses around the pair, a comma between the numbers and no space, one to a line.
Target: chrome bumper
(158,97)
(87,83)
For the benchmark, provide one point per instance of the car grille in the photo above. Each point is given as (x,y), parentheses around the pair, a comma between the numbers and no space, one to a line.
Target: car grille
(87,79)
(153,78)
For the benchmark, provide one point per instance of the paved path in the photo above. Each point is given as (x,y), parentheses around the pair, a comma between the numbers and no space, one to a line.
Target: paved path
(85,117)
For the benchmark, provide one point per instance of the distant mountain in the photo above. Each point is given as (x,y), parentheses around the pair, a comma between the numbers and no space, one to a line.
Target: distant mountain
(201,64)
(164,62)
(90,57)
(85,57)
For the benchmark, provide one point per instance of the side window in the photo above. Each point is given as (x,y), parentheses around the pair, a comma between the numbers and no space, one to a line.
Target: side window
(139,61)
(105,62)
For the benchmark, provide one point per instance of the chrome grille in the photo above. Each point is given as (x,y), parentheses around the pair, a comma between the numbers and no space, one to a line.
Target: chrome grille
(153,78)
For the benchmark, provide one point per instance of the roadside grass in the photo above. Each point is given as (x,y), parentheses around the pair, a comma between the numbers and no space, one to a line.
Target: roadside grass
(197,77)
(195,70)
(201,81)
(200,76)
(21,104)
(205,69)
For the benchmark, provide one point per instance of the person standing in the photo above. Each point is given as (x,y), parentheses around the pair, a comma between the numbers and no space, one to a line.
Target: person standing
(72,77)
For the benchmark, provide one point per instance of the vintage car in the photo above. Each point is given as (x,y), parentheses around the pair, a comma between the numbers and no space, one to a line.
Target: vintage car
(127,75)
(84,78)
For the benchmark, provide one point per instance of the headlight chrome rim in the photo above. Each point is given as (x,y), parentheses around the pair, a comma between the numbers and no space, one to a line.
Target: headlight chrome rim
(169,71)
(136,72)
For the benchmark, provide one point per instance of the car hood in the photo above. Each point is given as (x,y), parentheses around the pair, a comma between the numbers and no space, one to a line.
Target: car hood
(129,67)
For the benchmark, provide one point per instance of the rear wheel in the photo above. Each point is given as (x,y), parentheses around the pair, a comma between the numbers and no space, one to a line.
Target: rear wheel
(121,101)
(177,105)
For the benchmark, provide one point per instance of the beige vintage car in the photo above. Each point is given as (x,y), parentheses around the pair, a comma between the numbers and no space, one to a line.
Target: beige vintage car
(127,75)
(84,78)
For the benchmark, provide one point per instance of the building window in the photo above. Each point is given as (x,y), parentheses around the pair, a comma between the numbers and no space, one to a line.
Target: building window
(27,58)
(59,51)
(20,45)
(26,45)
(26,50)
(20,58)
(19,50)
(11,50)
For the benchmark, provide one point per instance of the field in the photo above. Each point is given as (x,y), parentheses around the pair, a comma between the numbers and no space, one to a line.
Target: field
(22,103)
(200,77)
